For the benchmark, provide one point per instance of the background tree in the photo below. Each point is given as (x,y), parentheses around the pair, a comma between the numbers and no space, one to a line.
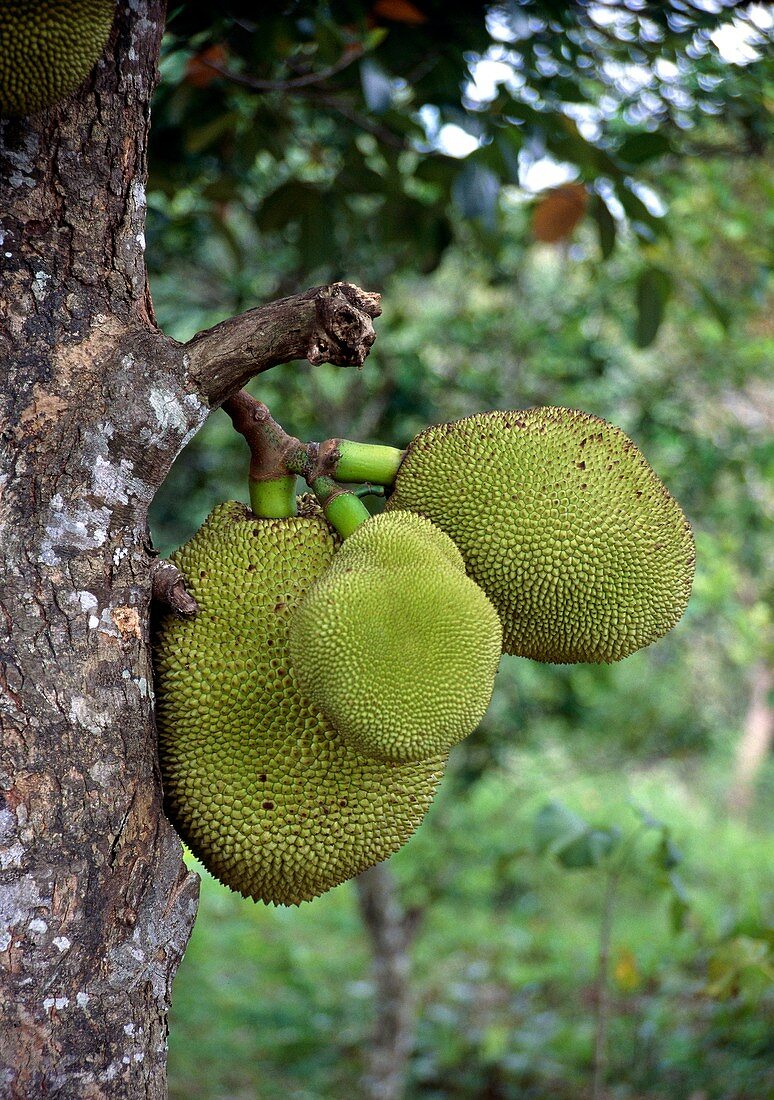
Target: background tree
(361,132)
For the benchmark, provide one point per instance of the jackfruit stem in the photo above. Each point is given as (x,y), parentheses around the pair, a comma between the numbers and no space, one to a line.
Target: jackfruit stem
(366,462)
(369,490)
(272,477)
(274,498)
(343,510)
(276,458)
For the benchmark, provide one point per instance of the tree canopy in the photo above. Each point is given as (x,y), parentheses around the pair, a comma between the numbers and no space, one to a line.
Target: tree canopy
(354,138)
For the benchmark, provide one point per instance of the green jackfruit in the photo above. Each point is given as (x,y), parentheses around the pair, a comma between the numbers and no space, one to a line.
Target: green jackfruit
(562,522)
(395,644)
(48,48)
(263,789)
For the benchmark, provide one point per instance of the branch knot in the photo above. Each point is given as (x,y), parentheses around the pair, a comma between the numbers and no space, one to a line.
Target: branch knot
(345,316)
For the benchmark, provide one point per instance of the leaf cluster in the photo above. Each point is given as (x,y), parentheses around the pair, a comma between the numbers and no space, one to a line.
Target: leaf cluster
(337,129)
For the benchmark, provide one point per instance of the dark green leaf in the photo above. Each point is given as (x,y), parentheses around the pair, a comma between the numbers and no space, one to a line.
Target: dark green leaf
(644,222)
(438,169)
(667,854)
(202,137)
(317,222)
(564,139)
(719,310)
(638,148)
(222,189)
(678,903)
(556,825)
(589,849)
(285,205)
(605,226)
(653,289)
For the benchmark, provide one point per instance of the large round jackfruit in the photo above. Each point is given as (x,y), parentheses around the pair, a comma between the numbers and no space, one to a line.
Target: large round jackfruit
(260,786)
(562,522)
(48,48)
(395,644)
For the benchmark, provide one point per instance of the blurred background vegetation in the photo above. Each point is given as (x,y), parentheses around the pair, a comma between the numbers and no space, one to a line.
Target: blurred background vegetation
(566,205)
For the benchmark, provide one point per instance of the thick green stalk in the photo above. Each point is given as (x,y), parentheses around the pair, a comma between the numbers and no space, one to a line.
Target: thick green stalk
(366,462)
(343,510)
(274,498)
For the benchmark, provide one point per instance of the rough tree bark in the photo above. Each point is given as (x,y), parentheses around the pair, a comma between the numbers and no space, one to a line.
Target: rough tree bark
(96,906)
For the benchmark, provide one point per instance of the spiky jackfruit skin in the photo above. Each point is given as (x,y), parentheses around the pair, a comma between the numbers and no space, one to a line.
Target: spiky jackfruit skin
(48,48)
(409,540)
(562,522)
(395,644)
(260,786)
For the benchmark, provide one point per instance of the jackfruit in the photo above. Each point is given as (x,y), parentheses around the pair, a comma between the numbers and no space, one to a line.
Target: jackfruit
(48,48)
(560,519)
(259,785)
(395,644)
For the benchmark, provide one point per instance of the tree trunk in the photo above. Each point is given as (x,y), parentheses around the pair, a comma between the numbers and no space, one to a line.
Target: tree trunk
(96,906)
(755,742)
(392,930)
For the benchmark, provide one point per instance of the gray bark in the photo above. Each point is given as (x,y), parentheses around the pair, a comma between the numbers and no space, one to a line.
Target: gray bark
(96,906)
(391,929)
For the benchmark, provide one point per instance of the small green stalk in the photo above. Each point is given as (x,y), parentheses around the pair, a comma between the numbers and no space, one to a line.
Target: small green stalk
(274,498)
(346,512)
(343,510)
(367,462)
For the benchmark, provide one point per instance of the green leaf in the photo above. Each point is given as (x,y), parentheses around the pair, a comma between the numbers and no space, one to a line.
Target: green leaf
(653,289)
(667,855)
(501,155)
(719,310)
(589,849)
(678,910)
(285,205)
(606,227)
(643,221)
(679,903)
(222,189)
(564,139)
(556,826)
(637,148)
(317,223)
(374,38)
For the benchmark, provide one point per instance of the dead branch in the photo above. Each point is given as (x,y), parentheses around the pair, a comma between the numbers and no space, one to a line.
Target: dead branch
(326,324)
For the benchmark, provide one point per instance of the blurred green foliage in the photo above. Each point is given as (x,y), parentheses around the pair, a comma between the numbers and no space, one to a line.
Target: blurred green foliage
(275,1002)
(659,322)
(331,135)
(271,1002)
